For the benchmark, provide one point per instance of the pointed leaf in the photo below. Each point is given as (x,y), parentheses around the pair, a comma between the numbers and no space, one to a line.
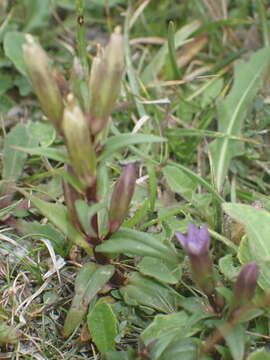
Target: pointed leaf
(13,42)
(153,68)
(179,182)
(13,160)
(138,243)
(117,142)
(160,270)
(232,111)
(257,246)
(48,152)
(235,339)
(60,218)
(85,214)
(144,291)
(102,325)
(90,280)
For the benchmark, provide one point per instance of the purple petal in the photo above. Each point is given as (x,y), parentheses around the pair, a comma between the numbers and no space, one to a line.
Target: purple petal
(183,239)
(197,240)
(204,237)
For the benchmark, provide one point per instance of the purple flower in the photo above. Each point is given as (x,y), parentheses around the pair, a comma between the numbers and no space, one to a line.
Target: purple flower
(196,244)
(196,241)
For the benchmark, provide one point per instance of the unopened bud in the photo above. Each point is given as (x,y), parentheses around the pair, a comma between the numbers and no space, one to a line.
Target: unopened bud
(121,197)
(43,82)
(77,138)
(245,285)
(105,82)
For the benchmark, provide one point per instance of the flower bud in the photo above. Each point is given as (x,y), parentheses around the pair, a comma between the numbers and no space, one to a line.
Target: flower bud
(121,197)
(43,82)
(105,82)
(77,138)
(245,285)
(196,245)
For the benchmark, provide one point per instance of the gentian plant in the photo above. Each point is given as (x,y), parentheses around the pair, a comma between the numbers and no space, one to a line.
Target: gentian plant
(142,273)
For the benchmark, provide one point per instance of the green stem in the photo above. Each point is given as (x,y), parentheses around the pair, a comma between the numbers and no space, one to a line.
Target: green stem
(81,39)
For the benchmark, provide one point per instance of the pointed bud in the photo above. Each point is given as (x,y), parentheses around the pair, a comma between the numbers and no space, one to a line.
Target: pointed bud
(121,197)
(245,285)
(43,82)
(105,82)
(77,138)
(196,245)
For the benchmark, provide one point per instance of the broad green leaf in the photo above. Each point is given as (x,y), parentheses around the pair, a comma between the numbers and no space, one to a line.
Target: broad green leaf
(164,323)
(102,325)
(153,68)
(235,339)
(130,354)
(180,349)
(160,270)
(257,247)
(199,181)
(232,112)
(8,334)
(90,280)
(134,242)
(143,291)
(179,182)
(43,132)
(260,354)
(117,142)
(227,267)
(13,160)
(59,217)
(13,42)
(48,152)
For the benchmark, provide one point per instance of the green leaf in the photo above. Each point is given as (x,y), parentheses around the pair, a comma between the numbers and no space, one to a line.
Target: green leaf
(144,291)
(38,14)
(13,42)
(13,160)
(85,214)
(179,182)
(134,242)
(153,68)
(172,51)
(160,270)
(199,181)
(164,323)
(232,112)
(260,354)
(90,280)
(227,267)
(117,142)
(153,187)
(43,132)
(57,239)
(48,152)
(59,217)
(235,339)
(8,334)
(257,227)
(102,325)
